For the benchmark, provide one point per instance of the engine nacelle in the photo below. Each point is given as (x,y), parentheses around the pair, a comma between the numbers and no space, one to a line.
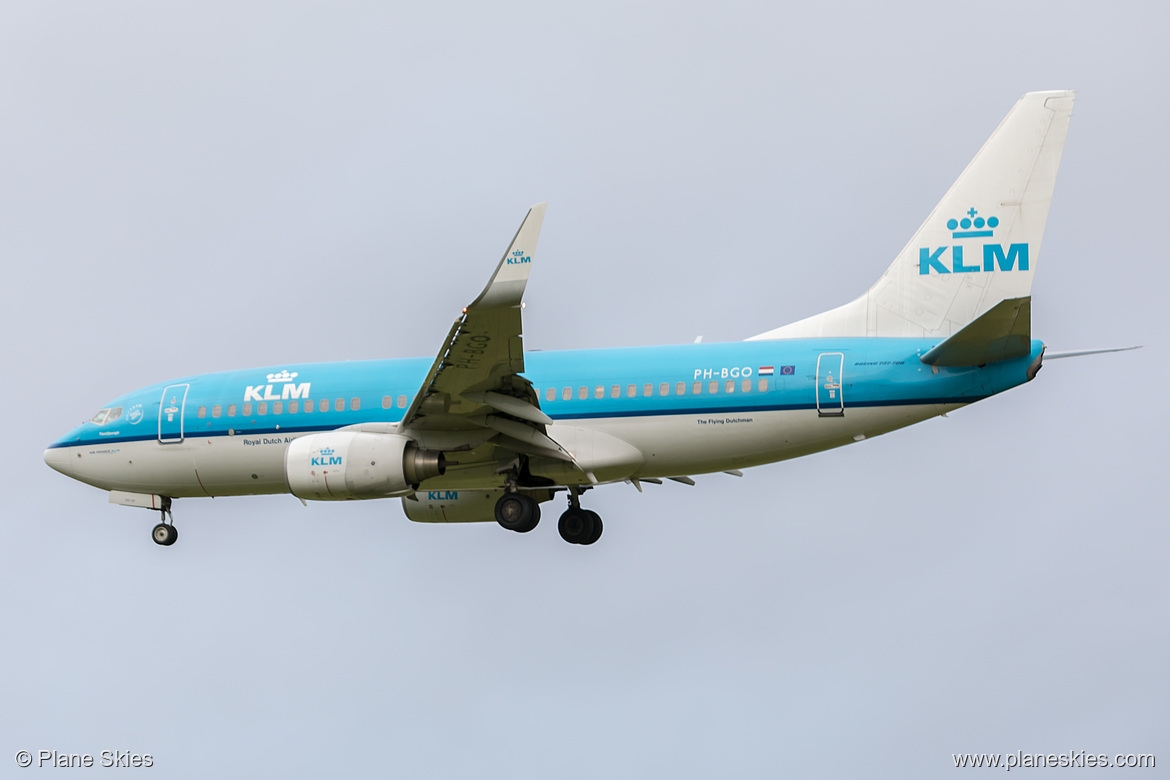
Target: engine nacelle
(344,465)
(459,506)
(452,506)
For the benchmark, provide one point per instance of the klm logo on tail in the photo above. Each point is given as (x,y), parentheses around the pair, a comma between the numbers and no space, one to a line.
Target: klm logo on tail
(994,256)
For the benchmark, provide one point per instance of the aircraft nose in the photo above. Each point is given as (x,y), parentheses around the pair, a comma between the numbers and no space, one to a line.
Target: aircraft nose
(58,460)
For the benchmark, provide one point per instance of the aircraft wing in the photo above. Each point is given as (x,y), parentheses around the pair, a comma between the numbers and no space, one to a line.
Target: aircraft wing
(474,391)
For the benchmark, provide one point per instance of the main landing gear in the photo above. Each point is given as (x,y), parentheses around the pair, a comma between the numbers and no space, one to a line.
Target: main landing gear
(577,525)
(520,512)
(165,533)
(517,512)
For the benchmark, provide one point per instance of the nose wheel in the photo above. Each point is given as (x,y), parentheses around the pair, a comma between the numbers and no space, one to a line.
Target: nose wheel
(165,534)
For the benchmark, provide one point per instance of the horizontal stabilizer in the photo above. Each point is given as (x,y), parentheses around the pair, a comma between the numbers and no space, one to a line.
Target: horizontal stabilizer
(1001,333)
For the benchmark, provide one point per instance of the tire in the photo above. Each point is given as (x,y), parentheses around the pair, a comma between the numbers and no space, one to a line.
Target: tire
(164,535)
(598,526)
(577,526)
(533,519)
(517,512)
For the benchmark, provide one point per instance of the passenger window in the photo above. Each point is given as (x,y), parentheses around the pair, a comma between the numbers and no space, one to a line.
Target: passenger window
(292,406)
(730,386)
(647,390)
(631,391)
(216,410)
(550,394)
(567,393)
(599,392)
(713,387)
(746,386)
(615,391)
(339,405)
(262,408)
(763,385)
(680,388)
(277,407)
(583,393)
(202,412)
(664,388)
(697,388)
(232,409)
(387,402)
(355,404)
(247,411)
(401,402)
(308,404)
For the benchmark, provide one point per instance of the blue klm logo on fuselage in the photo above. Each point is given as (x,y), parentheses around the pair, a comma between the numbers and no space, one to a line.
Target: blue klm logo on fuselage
(994,256)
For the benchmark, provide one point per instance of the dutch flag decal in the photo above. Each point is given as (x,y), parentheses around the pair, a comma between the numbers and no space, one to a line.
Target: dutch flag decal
(766,370)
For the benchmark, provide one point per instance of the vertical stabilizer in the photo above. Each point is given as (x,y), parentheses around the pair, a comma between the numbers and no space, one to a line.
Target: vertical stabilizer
(979,246)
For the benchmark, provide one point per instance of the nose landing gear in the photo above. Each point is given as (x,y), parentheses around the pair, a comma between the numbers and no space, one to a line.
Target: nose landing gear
(165,534)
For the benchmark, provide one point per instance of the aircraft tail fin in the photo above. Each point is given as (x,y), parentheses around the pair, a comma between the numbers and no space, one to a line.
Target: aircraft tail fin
(978,247)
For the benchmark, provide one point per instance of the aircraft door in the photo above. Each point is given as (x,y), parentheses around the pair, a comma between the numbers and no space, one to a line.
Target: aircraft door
(170,414)
(830,388)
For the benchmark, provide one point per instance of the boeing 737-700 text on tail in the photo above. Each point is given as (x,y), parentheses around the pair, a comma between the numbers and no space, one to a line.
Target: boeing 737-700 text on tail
(485,431)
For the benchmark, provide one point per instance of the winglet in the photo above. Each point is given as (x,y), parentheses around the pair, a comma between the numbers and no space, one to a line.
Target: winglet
(506,287)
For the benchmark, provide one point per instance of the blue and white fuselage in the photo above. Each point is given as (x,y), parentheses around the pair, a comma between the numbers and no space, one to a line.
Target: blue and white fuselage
(486,431)
(689,409)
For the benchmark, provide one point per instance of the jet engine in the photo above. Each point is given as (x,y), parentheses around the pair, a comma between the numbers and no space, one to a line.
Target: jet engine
(459,506)
(343,465)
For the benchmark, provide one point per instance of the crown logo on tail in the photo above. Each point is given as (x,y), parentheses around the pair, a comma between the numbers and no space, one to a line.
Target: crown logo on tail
(983,227)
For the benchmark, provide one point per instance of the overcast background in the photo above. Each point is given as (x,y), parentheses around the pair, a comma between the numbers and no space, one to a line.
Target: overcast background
(190,187)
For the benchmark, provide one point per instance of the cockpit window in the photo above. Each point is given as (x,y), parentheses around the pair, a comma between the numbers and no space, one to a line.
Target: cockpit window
(106,416)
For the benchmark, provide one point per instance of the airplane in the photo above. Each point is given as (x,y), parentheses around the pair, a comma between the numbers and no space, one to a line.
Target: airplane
(488,432)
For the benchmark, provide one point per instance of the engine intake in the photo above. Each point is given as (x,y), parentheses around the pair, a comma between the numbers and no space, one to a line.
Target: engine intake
(348,465)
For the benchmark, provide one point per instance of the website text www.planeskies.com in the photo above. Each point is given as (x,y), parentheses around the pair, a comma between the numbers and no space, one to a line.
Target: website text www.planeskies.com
(1070,759)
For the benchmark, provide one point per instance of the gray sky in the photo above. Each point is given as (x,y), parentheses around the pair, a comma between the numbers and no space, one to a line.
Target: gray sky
(191,187)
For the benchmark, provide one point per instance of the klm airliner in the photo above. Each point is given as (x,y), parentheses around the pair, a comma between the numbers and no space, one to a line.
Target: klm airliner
(488,432)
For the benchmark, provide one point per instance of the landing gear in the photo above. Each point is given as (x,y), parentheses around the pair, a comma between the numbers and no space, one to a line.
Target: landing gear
(577,525)
(165,534)
(517,512)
